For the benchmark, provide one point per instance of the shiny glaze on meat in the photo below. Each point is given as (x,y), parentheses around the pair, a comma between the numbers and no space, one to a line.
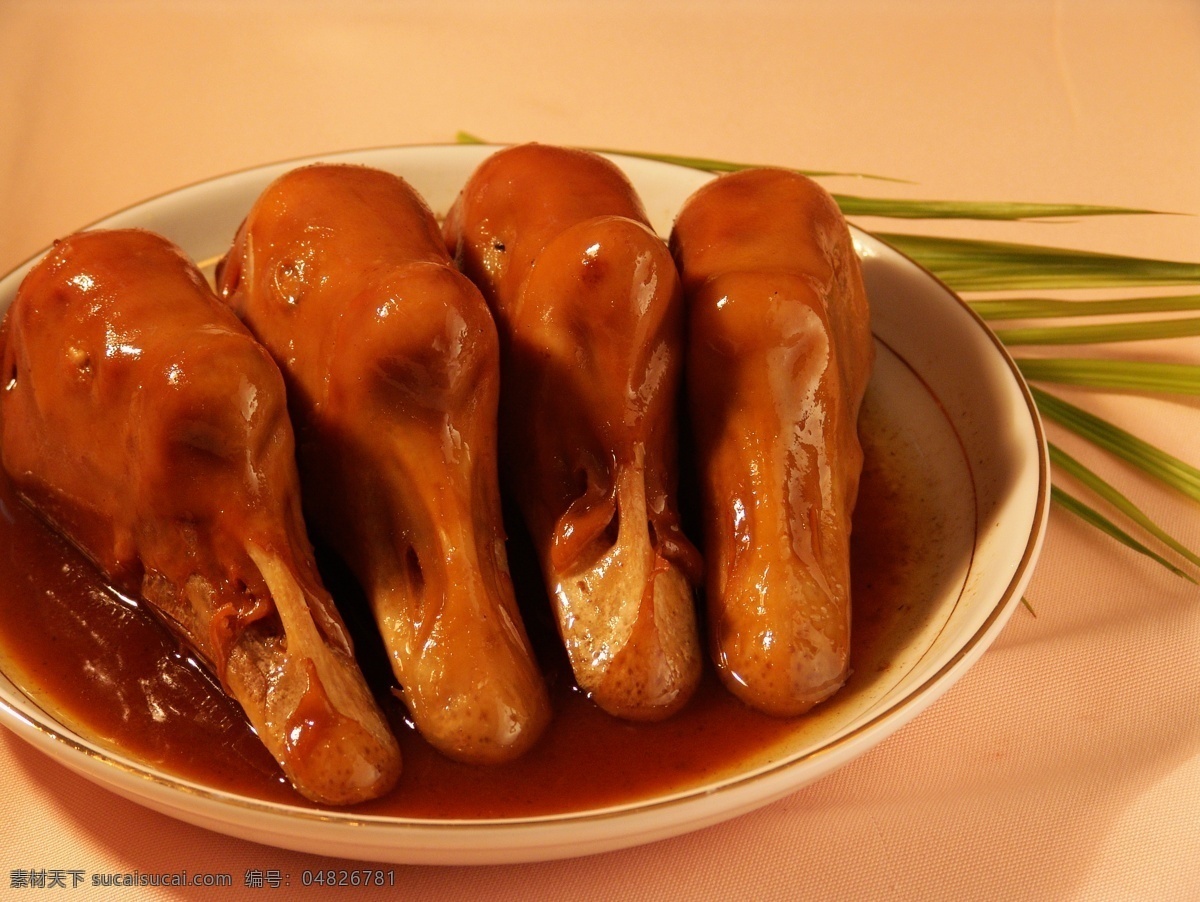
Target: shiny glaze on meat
(147,425)
(587,302)
(779,354)
(392,365)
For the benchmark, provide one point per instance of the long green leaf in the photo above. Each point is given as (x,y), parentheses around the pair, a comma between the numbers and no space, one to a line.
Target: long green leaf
(1097,519)
(1046,308)
(1123,375)
(704,164)
(971,265)
(1101,332)
(1091,479)
(1153,461)
(893,208)
(899,208)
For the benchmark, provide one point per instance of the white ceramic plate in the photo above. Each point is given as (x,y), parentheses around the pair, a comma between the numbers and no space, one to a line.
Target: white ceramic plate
(945,399)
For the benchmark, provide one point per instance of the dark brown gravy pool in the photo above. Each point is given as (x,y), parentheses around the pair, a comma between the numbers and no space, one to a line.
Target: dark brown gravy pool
(107,669)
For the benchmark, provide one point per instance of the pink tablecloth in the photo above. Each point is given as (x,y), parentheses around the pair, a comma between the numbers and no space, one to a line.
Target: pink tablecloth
(1067,763)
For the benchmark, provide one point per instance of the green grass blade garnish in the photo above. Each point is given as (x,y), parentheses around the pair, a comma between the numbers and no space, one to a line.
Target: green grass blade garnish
(971,265)
(1045,308)
(898,208)
(894,208)
(704,164)
(1122,375)
(1102,332)
(1153,461)
(1109,493)
(1095,518)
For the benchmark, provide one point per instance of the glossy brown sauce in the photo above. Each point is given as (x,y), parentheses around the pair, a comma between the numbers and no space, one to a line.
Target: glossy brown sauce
(105,667)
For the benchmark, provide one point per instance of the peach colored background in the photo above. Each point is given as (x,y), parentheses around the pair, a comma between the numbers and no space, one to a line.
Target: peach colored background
(1067,763)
